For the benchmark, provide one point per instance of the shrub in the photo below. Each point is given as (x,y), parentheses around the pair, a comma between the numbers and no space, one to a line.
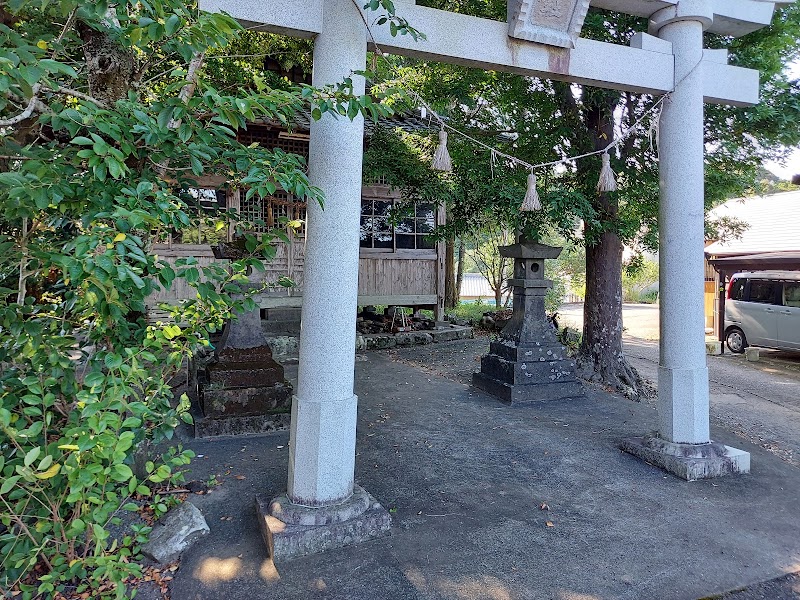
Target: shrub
(88,182)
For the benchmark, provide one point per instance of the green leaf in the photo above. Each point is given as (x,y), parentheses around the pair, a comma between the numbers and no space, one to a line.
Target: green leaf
(32,455)
(95,379)
(9,483)
(172,24)
(113,361)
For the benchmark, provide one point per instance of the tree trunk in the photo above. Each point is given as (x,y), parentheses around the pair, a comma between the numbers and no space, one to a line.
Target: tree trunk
(460,271)
(450,290)
(601,358)
(109,66)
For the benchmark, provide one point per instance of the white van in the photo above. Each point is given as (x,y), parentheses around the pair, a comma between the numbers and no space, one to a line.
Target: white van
(763,309)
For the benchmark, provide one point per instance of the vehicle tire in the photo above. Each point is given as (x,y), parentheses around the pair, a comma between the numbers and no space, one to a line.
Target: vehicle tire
(735,340)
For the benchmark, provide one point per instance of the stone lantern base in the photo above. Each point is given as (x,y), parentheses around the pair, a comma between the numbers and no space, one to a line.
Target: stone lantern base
(525,374)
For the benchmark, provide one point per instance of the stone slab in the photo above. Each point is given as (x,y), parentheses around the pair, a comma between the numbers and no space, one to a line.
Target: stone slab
(450,333)
(286,541)
(529,393)
(205,427)
(691,462)
(181,527)
(526,372)
(413,338)
(547,349)
(223,402)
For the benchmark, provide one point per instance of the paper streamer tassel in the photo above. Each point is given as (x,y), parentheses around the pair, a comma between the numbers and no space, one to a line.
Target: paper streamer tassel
(607,181)
(531,202)
(441,158)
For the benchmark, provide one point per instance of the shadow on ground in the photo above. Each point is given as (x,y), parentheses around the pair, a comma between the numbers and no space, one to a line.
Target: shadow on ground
(466,480)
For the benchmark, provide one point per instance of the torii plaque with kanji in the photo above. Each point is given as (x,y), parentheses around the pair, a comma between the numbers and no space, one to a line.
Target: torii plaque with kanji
(552,22)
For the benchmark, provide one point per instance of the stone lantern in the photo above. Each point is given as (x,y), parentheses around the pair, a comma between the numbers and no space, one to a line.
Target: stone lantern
(243,390)
(528,363)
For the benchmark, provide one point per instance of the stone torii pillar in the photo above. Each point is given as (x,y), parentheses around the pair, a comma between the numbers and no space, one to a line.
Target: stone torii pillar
(683,445)
(323,508)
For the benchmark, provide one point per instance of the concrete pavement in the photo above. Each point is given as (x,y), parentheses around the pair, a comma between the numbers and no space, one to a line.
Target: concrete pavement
(465,479)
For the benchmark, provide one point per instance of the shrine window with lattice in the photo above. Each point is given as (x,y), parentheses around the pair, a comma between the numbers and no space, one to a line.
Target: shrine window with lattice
(390,225)
(281,210)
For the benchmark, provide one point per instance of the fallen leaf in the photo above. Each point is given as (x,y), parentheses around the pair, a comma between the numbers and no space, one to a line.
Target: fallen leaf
(240,477)
(550,524)
(544,506)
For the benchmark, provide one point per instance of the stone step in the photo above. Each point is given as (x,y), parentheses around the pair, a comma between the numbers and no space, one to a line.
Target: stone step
(224,402)
(527,394)
(527,372)
(208,427)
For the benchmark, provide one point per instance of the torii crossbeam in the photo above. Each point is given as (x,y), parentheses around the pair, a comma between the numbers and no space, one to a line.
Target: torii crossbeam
(322,509)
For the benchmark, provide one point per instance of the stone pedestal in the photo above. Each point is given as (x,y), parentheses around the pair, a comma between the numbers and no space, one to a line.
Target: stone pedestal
(244,390)
(290,530)
(689,461)
(528,363)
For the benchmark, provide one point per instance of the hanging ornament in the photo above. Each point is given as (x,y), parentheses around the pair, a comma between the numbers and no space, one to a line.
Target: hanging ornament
(531,202)
(441,158)
(607,182)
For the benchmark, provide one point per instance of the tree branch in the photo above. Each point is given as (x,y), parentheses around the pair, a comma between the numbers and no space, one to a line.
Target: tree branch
(25,114)
(82,96)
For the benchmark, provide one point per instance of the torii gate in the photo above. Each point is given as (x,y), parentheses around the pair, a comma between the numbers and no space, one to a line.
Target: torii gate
(322,509)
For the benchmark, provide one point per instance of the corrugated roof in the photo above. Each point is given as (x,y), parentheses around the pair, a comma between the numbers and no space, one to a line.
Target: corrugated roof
(475,285)
(774,224)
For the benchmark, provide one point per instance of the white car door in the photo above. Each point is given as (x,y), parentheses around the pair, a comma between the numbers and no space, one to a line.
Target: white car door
(760,313)
(789,316)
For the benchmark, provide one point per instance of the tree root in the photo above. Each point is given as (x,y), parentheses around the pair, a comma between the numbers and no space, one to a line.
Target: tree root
(618,375)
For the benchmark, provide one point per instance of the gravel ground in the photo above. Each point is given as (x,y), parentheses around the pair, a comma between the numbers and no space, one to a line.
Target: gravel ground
(758,402)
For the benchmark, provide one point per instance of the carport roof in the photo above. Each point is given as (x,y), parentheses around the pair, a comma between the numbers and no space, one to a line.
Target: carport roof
(766,261)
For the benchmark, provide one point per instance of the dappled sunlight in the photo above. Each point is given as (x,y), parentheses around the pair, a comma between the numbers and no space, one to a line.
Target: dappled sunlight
(474,588)
(213,570)
(275,525)
(268,571)
(792,568)
(484,587)
(416,578)
(568,595)
(319,584)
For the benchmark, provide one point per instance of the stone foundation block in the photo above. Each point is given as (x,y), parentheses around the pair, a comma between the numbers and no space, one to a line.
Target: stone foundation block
(527,394)
(290,530)
(241,425)
(689,461)
(221,402)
